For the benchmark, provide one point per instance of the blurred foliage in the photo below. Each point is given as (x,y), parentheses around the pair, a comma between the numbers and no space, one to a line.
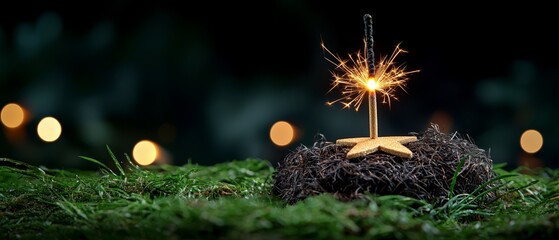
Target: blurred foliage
(207,83)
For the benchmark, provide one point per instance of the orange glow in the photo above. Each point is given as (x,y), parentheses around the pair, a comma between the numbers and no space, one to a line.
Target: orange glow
(529,161)
(49,129)
(145,152)
(282,133)
(531,141)
(12,115)
(443,119)
(372,84)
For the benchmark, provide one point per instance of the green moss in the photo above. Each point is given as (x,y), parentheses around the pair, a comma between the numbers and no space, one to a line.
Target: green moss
(232,200)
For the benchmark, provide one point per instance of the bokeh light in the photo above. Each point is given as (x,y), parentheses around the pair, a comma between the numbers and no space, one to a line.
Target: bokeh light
(282,133)
(145,152)
(531,141)
(12,115)
(49,129)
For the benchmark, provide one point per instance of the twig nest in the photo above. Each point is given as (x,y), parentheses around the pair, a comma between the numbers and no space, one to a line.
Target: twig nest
(324,168)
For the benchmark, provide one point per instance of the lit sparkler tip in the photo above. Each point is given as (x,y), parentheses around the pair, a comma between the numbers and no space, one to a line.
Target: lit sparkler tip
(372,84)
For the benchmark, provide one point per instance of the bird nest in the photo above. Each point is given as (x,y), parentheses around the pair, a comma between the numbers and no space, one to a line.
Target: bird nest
(428,175)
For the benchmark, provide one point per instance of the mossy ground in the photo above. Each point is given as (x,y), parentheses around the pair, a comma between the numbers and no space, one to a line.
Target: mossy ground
(233,200)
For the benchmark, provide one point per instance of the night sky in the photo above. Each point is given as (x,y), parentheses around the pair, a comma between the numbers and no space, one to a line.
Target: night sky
(207,82)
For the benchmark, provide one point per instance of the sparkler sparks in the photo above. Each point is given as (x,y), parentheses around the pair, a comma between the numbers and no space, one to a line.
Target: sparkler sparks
(352,76)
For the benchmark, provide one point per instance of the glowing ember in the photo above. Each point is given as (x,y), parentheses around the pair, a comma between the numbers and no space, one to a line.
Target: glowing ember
(372,85)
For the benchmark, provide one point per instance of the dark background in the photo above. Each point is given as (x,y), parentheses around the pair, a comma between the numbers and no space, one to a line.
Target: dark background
(206,81)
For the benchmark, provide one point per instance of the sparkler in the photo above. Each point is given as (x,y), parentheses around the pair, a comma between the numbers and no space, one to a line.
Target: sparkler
(359,77)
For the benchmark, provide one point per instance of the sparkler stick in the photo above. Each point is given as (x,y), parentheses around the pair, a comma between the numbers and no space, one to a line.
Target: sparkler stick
(373,122)
(369,44)
(373,119)
(358,77)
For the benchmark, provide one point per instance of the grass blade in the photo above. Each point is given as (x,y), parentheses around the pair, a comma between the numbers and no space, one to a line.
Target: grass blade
(463,203)
(453,183)
(135,166)
(116,161)
(98,163)
(482,186)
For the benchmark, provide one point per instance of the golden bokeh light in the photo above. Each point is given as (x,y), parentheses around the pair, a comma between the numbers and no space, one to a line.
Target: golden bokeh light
(145,152)
(49,129)
(12,115)
(282,133)
(531,141)
(372,84)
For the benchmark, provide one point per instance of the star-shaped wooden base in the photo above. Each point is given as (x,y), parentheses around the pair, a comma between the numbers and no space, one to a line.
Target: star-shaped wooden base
(364,145)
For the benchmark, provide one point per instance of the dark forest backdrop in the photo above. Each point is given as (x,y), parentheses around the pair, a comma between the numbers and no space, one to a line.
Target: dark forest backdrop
(206,81)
